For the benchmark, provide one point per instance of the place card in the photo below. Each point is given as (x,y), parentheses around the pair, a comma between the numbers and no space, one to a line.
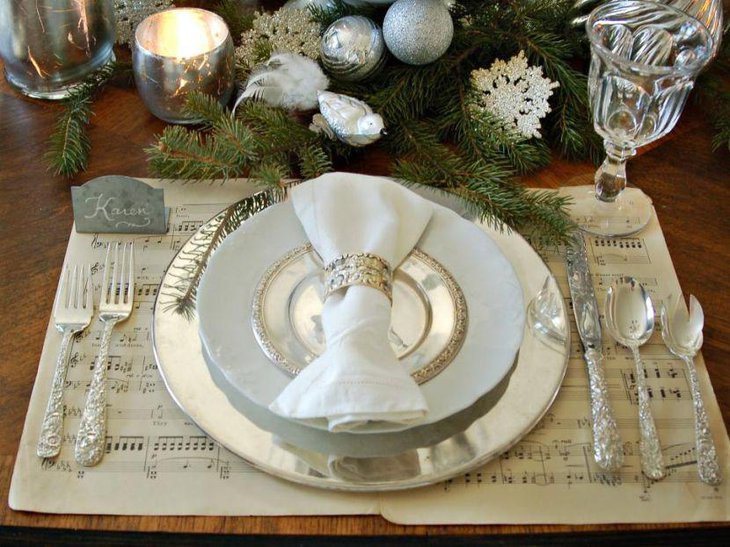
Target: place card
(118,204)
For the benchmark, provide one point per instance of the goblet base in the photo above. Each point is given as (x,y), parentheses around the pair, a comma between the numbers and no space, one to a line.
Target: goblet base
(628,214)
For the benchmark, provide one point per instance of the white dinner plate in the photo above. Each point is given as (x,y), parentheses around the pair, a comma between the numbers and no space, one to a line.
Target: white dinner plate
(487,279)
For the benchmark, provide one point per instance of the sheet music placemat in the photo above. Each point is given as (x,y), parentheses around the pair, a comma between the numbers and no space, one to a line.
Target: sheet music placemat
(159,463)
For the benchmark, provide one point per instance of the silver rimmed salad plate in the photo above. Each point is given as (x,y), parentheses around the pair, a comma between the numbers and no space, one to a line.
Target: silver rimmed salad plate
(342,461)
(429,320)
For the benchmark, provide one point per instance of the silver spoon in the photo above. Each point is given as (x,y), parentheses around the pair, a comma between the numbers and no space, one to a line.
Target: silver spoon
(630,320)
(682,334)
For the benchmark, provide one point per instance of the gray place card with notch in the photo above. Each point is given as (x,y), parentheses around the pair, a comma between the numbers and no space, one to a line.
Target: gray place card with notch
(119,204)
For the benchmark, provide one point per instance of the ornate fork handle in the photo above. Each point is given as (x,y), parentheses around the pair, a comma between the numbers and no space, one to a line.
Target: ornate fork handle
(49,442)
(607,448)
(92,431)
(707,465)
(652,461)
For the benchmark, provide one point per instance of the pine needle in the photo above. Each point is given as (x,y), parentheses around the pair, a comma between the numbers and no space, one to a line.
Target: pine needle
(327,14)
(238,18)
(68,147)
(435,137)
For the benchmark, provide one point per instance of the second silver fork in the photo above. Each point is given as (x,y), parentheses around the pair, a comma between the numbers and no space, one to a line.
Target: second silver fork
(115,305)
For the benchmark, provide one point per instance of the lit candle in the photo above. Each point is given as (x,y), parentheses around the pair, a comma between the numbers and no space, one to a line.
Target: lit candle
(48,47)
(179,51)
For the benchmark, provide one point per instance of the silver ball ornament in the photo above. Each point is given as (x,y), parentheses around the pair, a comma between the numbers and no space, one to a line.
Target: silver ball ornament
(353,48)
(418,32)
(306,4)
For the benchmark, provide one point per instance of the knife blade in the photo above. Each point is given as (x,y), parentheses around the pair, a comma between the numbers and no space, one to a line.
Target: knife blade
(607,446)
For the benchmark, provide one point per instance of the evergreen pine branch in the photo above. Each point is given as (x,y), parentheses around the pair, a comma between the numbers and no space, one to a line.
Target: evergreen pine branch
(276,130)
(314,161)
(270,175)
(434,136)
(205,108)
(540,216)
(483,135)
(539,28)
(231,135)
(68,146)
(238,18)
(181,153)
(546,223)
(261,141)
(713,94)
(722,126)
(327,14)
(408,92)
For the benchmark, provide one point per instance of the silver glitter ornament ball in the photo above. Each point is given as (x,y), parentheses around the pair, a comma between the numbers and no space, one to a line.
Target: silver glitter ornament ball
(418,31)
(353,48)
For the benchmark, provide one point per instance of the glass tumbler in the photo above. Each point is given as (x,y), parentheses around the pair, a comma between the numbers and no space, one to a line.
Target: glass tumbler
(49,46)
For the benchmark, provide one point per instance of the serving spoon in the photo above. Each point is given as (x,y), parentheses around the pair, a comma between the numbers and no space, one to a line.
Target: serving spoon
(630,320)
(682,334)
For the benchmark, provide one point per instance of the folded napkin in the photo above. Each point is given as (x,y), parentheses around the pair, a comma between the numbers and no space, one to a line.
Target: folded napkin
(358,378)
(403,466)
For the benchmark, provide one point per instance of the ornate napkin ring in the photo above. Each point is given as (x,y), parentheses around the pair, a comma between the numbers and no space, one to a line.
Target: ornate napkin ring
(358,269)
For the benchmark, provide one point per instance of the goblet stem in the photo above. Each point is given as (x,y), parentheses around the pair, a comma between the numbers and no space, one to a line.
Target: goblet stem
(611,175)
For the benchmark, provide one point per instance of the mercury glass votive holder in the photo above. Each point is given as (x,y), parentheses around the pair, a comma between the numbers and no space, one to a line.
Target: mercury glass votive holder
(49,46)
(180,51)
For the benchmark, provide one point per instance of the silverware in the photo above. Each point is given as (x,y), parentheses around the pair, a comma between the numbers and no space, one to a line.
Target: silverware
(115,305)
(630,320)
(682,334)
(607,446)
(72,313)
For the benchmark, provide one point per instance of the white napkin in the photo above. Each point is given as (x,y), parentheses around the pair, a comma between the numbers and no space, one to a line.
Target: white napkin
(358,378)
(400,467)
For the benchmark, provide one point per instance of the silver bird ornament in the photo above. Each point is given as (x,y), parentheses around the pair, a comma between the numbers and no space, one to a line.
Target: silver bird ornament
(348,119)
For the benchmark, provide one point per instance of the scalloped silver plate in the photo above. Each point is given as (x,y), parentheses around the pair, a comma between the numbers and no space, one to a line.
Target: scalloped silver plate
(429,319)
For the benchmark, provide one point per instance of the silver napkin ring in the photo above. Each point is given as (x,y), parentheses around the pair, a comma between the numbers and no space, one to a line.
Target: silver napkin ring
(358,269)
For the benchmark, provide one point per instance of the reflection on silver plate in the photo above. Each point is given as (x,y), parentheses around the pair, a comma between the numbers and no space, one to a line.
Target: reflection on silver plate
(325,460)
(429,319)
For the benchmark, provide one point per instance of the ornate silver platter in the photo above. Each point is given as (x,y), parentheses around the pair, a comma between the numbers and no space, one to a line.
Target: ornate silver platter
(429,313)
(375,462)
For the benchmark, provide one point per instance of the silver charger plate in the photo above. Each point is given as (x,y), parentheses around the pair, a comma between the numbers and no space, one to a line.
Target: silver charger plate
(343,461)
(429,319)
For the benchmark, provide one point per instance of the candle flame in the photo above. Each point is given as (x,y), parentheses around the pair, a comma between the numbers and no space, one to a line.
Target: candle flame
(185,34)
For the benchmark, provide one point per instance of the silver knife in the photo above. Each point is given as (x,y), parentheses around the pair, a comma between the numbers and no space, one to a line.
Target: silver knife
(607,446)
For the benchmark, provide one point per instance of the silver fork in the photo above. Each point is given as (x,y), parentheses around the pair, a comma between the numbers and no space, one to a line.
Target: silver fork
(72,313)
(115,304)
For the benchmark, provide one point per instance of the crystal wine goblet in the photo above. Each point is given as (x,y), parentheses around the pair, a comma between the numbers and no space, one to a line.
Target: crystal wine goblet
(707,12)
(644,59)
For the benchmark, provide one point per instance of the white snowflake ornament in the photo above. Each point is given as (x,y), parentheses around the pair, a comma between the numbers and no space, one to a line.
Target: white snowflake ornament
(284,31)
(514,92)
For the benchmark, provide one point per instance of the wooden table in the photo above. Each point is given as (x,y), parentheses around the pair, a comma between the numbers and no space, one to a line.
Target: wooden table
(687,181)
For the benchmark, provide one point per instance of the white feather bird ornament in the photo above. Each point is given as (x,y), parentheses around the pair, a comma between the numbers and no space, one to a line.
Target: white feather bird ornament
(350,120)
(286,80)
